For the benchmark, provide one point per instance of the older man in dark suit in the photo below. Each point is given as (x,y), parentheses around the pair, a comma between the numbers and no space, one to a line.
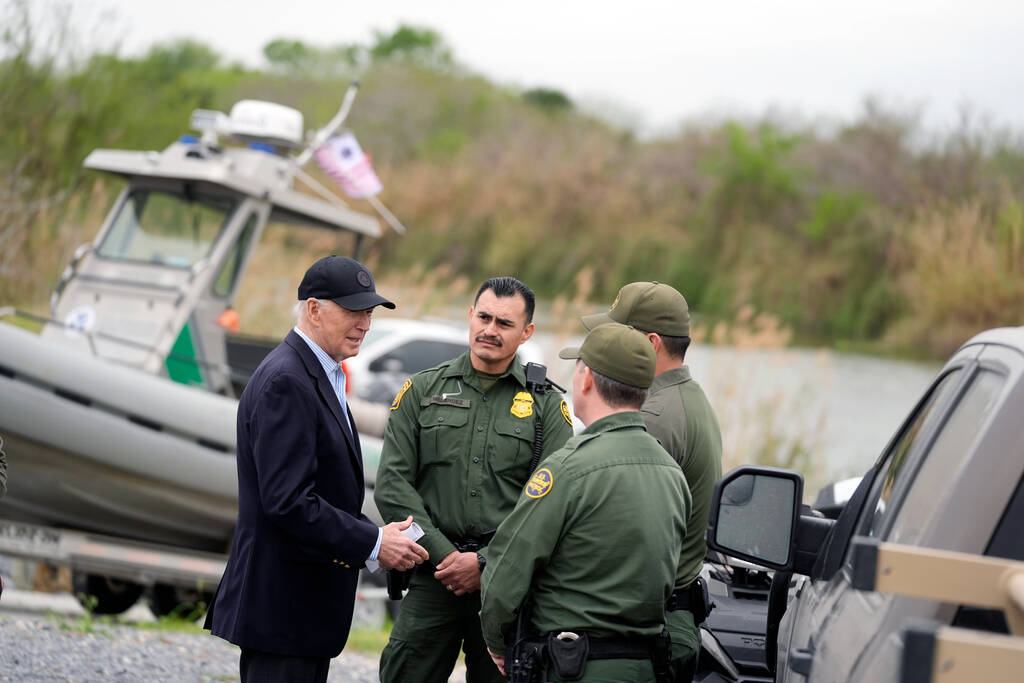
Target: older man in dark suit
(288,591)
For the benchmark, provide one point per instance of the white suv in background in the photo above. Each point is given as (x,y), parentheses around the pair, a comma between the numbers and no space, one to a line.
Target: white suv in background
(397,348)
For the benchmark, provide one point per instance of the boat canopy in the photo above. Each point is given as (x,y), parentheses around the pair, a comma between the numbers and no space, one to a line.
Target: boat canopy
(248,172)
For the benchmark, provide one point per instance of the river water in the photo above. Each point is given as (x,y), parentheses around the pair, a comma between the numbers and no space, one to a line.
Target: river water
(835,411)
(843,408)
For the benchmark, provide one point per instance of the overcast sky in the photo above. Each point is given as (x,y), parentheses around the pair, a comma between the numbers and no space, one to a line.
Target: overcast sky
(658,62)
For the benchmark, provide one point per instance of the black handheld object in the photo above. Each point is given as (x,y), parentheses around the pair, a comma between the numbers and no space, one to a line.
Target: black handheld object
(536,378)
(523,660)
(661,657)
(398,580)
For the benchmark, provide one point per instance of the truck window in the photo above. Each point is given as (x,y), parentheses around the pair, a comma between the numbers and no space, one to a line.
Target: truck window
(947,455)
(878,505)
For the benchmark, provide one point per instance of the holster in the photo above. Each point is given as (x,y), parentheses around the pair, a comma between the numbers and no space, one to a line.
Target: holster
(525,661)
(700,601)
(695,599)
(661,657)
(398,581)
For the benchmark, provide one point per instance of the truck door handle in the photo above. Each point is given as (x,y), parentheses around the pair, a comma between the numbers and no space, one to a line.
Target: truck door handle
(800,659)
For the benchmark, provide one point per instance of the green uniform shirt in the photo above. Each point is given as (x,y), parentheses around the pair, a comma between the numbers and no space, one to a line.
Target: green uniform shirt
(455,457)
(679,416)
(594,538)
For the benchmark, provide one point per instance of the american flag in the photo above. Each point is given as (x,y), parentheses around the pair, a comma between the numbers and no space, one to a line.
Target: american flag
(345,161)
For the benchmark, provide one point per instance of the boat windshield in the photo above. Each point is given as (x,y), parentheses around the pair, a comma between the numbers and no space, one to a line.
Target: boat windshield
(168,228)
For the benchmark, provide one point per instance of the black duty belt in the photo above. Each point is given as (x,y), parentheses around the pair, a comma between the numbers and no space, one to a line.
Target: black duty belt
(473,543)
(621,648)
(606,648)
(468,546)
(569,653)
(680,599)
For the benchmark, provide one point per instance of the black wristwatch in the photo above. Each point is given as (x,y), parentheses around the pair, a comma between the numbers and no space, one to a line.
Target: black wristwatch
(481,561)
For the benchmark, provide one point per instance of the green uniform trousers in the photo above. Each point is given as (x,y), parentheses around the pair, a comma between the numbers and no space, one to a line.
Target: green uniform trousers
(685,645)
(431,627)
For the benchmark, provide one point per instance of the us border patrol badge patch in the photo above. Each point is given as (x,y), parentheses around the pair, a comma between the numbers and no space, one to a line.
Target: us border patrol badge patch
(522,404)
(565,412)
(401,392)
(540,483)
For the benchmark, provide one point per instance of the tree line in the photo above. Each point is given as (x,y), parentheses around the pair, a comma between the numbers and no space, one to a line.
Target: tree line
(870,233)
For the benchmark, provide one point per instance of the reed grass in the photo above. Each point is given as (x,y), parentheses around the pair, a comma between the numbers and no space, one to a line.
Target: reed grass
(865,232)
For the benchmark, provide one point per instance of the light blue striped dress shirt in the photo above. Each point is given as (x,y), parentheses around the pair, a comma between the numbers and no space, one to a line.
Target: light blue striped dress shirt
(336,377)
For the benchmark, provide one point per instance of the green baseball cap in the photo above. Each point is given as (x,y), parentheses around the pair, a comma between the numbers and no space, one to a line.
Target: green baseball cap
(618,352)
(648,306)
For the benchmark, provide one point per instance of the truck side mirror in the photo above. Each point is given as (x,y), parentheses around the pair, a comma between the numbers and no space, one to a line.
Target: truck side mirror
(755,513)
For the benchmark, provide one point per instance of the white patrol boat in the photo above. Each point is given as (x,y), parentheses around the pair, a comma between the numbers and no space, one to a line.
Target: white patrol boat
(118,416)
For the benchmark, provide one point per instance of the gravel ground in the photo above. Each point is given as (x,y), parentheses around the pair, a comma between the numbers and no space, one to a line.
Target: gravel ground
(55,648)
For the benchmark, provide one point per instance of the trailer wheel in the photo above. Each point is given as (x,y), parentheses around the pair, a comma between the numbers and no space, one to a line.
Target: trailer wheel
(112,596)
(168,600)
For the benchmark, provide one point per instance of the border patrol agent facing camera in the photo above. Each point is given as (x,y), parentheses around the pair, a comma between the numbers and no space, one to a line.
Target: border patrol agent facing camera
(679,416)
(592,547)
(457,452)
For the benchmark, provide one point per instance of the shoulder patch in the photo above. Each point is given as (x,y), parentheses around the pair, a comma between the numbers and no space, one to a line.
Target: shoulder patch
(540,483)
(401,392)
(565,412)
(522,404)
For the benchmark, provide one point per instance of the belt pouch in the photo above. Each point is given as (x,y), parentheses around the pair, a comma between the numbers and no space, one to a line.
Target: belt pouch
(569,654)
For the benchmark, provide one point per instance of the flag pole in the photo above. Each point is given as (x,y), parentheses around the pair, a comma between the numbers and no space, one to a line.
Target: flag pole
(321,136)
(317,187)
(395,224)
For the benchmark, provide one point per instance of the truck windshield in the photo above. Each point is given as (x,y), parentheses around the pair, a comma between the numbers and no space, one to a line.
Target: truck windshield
(171,229)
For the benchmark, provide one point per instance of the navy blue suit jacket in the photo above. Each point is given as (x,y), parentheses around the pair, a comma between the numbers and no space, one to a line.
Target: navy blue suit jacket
(290,582)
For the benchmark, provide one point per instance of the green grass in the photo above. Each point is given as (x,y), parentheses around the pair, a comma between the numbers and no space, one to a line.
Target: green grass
(369,641)
(24,322)
(170,623)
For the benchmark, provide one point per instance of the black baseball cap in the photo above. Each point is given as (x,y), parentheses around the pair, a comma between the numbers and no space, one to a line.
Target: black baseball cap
(344,281)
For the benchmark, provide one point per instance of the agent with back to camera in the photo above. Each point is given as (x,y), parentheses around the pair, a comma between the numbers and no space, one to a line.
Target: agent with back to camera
(288,590)
(456,454)
(580,570)
(678,414)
